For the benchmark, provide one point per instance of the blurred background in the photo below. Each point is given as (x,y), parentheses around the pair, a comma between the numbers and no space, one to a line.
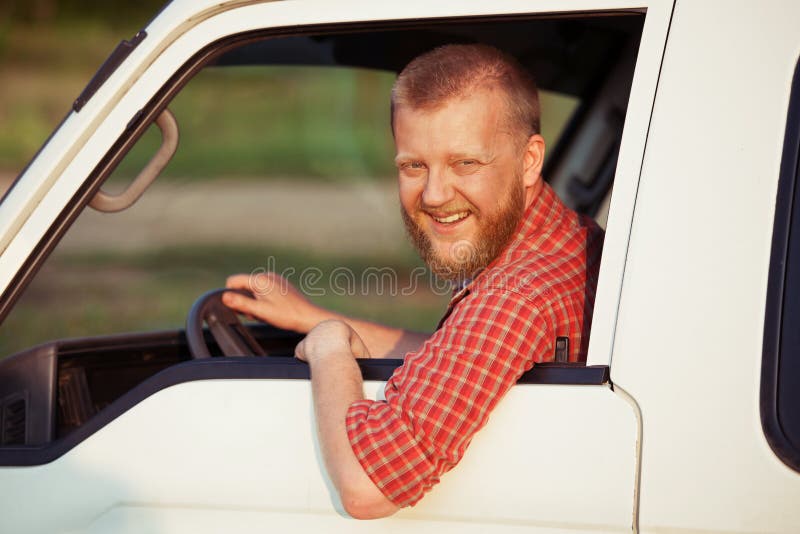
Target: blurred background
(48,51)
(279,168)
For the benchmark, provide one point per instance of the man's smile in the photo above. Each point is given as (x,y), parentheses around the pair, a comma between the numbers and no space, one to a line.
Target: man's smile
(446,223)
(446,219)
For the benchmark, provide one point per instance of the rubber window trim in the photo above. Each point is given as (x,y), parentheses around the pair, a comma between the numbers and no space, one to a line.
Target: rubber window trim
(783,269)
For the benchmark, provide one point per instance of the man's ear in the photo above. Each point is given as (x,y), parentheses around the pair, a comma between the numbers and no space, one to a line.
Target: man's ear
(533,160)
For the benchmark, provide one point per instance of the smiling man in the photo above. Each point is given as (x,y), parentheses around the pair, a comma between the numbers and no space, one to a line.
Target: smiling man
(524,267)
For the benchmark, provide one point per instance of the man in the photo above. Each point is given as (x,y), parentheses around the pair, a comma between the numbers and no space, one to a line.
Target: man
(469,155)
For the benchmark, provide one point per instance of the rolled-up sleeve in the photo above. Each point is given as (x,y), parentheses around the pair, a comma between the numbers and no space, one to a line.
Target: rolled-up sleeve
(443,393)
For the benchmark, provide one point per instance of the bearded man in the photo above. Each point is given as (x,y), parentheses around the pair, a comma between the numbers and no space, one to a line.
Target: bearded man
(465,120)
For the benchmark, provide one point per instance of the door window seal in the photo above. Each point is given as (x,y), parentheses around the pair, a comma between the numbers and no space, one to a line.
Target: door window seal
(780,366)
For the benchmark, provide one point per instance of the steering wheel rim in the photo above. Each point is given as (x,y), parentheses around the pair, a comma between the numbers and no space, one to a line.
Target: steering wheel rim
(227,330)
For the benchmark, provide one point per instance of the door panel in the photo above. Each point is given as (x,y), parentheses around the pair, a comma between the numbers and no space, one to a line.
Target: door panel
(243,452)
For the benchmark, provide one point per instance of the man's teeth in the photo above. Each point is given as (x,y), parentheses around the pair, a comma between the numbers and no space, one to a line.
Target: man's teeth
(452,218)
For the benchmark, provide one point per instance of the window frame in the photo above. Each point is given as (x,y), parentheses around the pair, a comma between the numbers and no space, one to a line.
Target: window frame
(58,182)
(233,368)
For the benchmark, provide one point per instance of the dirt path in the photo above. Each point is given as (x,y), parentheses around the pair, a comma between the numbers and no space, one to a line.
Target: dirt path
(341,218)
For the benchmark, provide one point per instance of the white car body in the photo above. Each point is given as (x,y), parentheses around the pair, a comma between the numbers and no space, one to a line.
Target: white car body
(674,442)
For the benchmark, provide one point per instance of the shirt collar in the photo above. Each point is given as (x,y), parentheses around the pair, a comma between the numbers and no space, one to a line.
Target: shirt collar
(533,229)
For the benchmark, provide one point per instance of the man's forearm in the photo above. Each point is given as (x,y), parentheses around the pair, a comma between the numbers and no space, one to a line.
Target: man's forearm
(336,384)
(386,341)
(381,340)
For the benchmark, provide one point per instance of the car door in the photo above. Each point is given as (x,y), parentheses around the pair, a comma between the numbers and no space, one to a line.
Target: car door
(230,445)
(699,289)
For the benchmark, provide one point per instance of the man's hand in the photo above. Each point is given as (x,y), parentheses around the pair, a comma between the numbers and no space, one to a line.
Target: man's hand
(331,339)
(276,302)
(280,304)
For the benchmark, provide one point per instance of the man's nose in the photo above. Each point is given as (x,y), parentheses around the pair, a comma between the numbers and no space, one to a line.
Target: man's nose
(439,188)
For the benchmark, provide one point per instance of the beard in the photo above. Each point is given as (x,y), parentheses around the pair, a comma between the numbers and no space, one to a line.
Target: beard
(468,257)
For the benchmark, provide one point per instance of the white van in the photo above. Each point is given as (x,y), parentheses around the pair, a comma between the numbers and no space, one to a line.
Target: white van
(683,141)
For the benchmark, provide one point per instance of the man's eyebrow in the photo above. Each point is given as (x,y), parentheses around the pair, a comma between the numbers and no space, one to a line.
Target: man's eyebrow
(483,157)
(401,158)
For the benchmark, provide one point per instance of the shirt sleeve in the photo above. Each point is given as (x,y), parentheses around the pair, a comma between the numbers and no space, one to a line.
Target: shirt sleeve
(443,393)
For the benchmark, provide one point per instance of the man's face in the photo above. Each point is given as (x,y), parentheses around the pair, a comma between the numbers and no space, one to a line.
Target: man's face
(465,180)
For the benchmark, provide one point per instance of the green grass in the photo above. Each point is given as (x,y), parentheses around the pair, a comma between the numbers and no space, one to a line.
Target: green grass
(85,294)
(322,123)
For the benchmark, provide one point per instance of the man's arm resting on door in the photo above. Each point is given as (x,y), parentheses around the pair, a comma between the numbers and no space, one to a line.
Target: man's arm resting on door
(330,350)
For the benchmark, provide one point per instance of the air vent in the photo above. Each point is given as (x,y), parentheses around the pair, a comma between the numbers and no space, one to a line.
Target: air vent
(13,421)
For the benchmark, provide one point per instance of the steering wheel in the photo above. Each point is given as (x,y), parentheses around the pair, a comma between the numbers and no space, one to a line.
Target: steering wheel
(228,331)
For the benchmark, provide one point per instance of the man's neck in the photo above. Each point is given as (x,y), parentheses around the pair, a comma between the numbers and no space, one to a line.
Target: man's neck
(532,193)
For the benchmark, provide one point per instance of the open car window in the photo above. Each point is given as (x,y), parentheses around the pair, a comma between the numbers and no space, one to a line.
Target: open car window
(285,169)
(285,165)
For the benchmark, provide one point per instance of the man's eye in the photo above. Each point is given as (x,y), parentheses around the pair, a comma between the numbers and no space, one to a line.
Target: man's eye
(466,162)
(413,165)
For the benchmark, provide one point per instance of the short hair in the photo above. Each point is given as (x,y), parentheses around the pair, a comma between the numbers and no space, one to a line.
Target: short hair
(456,70)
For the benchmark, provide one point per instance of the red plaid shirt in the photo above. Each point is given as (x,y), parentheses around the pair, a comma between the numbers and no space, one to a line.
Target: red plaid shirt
(539,288)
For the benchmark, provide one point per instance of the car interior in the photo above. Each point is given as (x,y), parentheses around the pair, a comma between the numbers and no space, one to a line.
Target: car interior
(58,393)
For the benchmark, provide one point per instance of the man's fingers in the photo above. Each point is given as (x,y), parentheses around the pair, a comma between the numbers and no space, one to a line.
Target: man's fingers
(238,281)
(256,283)
(299,351)
(357,345)
(241,303)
